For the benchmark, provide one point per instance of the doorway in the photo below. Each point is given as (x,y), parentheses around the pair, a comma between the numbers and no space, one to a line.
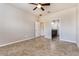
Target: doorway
(55,29)
(37,29)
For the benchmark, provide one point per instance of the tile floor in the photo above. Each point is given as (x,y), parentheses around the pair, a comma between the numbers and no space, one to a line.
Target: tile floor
(40,47)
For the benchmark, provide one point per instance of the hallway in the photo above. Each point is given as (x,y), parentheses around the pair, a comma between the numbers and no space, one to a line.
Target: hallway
(40,46)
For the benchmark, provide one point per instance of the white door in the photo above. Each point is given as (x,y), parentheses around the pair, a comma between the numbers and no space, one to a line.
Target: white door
(42,28)
(37,29)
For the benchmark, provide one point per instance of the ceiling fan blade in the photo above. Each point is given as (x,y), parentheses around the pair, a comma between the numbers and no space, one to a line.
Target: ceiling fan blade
(46,4)
(35,8)
(33,3)
(42,8)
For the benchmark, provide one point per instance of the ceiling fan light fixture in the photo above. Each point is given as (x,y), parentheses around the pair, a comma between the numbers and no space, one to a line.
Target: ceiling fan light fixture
(39,6)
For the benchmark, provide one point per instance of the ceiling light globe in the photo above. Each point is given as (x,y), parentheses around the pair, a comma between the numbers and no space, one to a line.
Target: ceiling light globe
(39,6)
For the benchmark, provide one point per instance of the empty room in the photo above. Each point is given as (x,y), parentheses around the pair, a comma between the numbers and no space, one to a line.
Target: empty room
(39,29)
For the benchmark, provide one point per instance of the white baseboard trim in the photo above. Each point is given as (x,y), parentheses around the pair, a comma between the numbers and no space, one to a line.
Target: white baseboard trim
(68,41)
(24,39)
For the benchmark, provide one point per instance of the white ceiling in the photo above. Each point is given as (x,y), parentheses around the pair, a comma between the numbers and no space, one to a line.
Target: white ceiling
(54,7)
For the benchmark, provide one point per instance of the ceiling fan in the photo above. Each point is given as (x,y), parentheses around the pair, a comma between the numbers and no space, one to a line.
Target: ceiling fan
(40,5)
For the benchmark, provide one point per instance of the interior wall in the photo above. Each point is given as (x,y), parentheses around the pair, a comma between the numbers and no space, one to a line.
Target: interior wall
(67,26)
(77,31)
(15,24)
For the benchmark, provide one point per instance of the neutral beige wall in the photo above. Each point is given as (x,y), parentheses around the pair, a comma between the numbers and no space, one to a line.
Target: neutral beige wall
(67,26)
(77,31)
(15,24)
